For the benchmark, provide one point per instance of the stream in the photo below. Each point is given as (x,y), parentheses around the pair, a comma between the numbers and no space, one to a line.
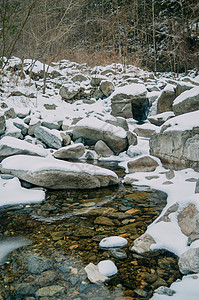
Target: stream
(64,232)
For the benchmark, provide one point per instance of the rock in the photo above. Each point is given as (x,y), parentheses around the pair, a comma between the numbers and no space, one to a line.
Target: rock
(107,268)
(171,209)
(183,86)
(94,275)
(164,290)
(144,132)
(66,139)
(74,151)
(188,220)
(34,123)
(97,79)
(21,125)
(10,114)
(130,101)
(188,101)
(52,125)
(132,138)
(142,244)
(37,264)
(50,291)
(102,149)
(197,187)
(142,164)
(57,174)
(166,98)
(12,146)
(178,141)
(92,130)
(141,293)
(133,152)
(2,123)
(46,277)
(113,242)
(161,118)
(117,121)
(189,261)
(106,87)
(69,92)
(26,288)
(50,106)
(79,78)
(12,130)
(118,253)
(104,221)
(50,137)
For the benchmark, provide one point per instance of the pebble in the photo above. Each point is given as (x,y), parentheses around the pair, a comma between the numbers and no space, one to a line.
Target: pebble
(50,291)
(118,253)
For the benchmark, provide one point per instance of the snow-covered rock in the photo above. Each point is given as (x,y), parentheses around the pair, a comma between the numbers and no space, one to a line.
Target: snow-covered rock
(188,101)
(130,101)
(12,146)
(92,130)
(166,98)
(113,242)
(74,151)
(107,268)
(178,141)
(56,174)
(50,137)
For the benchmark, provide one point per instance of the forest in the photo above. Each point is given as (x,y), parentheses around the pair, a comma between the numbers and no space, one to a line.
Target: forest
(158,35)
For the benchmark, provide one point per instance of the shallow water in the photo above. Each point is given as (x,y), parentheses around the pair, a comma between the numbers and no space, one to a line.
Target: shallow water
(68,227)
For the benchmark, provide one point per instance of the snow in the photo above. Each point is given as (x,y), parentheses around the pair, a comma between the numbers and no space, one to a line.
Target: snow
(95,123)
(134,89)
(12,193)
(187,94)
(183,122)
(187,288)
(35,164)
(181,191)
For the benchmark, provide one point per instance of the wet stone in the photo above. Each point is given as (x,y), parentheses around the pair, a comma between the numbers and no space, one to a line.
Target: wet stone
(118,253)
(38,264)
(50,291)
(63,268)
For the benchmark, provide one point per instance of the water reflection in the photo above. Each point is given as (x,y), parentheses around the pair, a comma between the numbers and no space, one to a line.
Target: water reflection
(7,245)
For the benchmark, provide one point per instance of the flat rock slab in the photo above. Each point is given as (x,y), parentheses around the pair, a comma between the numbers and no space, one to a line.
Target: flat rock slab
(12,146)
(56,174)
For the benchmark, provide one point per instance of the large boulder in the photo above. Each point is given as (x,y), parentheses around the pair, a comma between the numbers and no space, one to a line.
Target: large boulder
(12,146)
(57,174)
(50,137)
(92,130)
(178,141)
(166,98)
(186,102)
(189,261)
(106,87)
(68,92)
(142,164)
(130,101)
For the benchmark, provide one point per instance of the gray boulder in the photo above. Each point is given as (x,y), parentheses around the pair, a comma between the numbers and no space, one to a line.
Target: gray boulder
(188,101)
(2,123)
(161,118)
(32,125)
(183,86)
(74,151)
(189,261)
(38,264)
(142,244)
(102,149)
(130,102)
(50,137)
(69,92)
(106,87)
(57,174)
(12,146)
(142,164)
(92,130)
(166,98)
(178,147)
(79,78)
